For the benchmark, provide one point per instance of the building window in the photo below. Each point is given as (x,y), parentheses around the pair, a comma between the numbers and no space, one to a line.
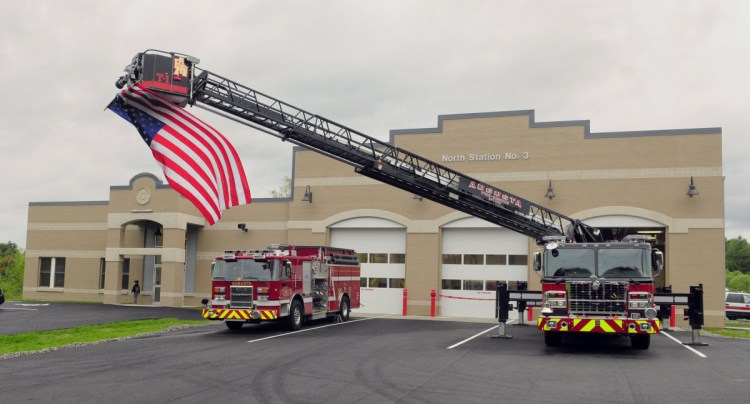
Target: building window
(362,258)
(378,258)
(102,268)
(491,285)
(125,273)
(378,282)
(396,283)
(397,258)
(493,259)
(52,272)
(473,285)
(454,284)
(518,260)
(452,259)
(473,259)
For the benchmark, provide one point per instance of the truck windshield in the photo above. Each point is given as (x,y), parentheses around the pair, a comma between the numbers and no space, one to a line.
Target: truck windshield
(622,263)
(570,263)
(606,262)
(246,270)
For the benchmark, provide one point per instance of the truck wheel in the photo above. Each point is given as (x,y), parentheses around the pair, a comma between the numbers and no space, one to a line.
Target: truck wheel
(295,316)
(640,341)
(233,325)
(552,338)
(344,309)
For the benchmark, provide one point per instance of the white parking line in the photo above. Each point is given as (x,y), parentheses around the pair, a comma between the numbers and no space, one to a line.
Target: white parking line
(686,346)
(476,335)
(311,329)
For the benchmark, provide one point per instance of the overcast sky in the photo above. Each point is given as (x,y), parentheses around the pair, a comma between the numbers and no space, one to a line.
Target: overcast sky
(370,65)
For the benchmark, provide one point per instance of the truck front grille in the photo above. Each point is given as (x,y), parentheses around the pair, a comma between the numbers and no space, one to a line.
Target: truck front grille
(241,296)
(609,299)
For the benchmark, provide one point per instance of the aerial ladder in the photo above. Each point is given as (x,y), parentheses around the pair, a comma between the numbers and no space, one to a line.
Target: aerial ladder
(176,77)
(369,156)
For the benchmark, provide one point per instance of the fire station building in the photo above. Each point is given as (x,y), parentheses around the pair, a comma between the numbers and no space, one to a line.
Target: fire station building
(665,184)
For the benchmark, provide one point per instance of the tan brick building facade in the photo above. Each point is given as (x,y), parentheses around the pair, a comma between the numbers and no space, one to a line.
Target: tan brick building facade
(627,181)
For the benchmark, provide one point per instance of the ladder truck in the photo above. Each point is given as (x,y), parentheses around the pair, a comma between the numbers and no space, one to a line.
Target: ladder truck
(589,284)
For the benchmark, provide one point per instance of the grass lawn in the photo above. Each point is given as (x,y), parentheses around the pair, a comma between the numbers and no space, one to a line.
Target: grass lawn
(35,341)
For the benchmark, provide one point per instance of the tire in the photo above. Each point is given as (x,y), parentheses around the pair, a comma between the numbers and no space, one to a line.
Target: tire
(233,325)
(552,339)
(296,316)
(640,341)
(345,309)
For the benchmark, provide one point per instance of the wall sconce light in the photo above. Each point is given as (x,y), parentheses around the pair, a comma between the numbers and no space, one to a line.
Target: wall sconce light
(692,191)
(550,192)
(242,226)
(308,195)
(417,197)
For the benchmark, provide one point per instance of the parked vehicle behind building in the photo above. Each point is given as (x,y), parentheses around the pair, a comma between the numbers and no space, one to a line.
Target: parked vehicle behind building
(737,305)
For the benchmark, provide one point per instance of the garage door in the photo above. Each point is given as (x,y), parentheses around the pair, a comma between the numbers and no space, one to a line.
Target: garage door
(381,246)
(477,254)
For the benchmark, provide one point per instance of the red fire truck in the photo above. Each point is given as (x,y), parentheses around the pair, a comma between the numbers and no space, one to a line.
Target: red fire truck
(598,287)
(283,283)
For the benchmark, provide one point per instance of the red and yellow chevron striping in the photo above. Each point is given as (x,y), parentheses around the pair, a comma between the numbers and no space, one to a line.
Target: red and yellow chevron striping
(239,314)
(604,326)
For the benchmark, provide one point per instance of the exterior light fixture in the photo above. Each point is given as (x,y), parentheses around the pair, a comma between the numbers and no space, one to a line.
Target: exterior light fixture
(550,192)
(242,226)
(417,197)
(308,195)
(692,191)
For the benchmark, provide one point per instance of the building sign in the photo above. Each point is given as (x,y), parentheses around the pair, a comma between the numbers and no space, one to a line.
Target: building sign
(458,158)
(495,195)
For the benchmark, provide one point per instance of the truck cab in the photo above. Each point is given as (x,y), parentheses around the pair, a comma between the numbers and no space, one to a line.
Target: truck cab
(600,287)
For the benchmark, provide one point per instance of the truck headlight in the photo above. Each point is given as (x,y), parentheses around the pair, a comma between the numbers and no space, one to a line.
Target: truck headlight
(639,300)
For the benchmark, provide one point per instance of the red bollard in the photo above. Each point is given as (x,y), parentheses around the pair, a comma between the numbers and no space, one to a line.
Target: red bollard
(531,313)
(673,317)
(404,310)
(432,302)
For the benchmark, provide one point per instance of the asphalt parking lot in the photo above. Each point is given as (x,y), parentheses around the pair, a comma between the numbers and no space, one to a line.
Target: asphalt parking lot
(18,317)
(371,360)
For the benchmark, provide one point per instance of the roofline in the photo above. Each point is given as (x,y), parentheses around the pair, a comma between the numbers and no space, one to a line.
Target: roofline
(586,124)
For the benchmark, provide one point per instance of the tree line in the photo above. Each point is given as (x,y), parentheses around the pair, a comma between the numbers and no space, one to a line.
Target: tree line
(737,252)
(12,261)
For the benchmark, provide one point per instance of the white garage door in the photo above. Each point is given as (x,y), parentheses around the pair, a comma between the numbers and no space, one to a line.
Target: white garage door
(477,254)
(381,245)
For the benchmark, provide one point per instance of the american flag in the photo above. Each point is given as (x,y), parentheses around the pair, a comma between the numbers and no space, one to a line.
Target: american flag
(197,160)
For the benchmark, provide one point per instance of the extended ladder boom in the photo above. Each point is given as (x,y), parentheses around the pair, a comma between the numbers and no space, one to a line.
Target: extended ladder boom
(369,156)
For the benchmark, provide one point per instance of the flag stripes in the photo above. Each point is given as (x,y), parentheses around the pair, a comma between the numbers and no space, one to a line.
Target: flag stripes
(197,160)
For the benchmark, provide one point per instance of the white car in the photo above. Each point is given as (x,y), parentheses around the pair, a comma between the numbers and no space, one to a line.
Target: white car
(737,305)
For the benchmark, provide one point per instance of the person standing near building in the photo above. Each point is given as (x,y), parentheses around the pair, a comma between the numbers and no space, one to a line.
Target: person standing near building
(136,290)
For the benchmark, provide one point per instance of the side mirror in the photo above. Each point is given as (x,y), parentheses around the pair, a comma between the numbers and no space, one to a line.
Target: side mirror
(537,261)
(657,260)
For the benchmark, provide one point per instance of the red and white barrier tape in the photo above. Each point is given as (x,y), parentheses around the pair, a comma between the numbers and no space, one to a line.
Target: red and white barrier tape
(463,298)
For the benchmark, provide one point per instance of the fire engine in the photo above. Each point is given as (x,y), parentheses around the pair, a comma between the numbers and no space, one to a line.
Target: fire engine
(589,284)
(283,283)
(598,287)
